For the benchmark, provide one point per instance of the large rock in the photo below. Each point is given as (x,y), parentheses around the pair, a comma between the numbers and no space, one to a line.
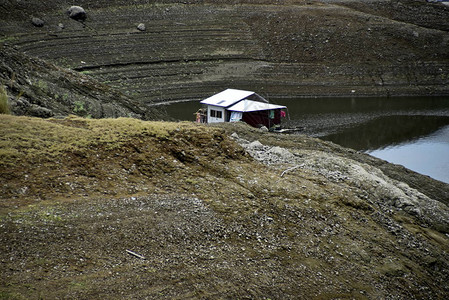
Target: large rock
(141,27)
(37,22)
(77,13)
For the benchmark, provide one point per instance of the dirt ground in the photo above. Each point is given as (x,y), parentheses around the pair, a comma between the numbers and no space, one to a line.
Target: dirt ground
(126,209)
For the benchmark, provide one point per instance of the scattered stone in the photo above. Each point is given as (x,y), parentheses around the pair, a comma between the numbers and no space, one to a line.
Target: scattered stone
(37,22)
(235,136)
(77,13)
(264,129)
(281,152)
(40,112)
(141,27)
(256,145)
(61,26)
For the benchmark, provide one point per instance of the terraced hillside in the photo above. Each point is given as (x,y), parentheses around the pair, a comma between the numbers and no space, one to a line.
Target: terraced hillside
(283,48)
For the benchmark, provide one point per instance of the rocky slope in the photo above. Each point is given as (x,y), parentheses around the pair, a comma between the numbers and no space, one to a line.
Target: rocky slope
(126,209)
(38,88)
(192,49)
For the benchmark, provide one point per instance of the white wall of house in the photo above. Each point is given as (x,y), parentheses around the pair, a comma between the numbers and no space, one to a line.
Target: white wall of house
(215,114)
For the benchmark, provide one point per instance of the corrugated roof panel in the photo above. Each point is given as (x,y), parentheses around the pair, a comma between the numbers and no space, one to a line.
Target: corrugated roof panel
(227,97)
(249,105)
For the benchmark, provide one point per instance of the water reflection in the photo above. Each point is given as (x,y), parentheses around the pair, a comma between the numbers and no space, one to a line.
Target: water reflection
(182,111)
(387,131)
(307,106)
(427,155)
(326,116)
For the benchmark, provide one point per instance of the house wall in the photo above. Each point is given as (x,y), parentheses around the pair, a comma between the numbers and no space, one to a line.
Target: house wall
(213,114)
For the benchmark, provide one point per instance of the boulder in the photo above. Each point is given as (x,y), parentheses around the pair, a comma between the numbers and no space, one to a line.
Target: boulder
(235,136)
(77,13)
(37,22)
(282,153)
(141,27)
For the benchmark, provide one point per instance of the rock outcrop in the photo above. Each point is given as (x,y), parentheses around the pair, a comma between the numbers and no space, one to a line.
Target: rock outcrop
(378,189)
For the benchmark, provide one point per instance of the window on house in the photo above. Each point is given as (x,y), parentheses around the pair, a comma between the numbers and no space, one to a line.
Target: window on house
(216,114)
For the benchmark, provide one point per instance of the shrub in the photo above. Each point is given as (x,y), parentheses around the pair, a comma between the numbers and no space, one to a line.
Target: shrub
(79,107)
(4,105)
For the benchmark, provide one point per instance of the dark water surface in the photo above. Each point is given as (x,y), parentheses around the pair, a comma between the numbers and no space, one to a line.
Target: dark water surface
(411,131)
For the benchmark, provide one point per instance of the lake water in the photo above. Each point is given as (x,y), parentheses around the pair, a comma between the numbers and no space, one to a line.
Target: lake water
(411,131)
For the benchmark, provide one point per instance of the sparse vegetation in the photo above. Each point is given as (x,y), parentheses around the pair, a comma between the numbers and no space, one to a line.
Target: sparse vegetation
(78,107)
(42,89)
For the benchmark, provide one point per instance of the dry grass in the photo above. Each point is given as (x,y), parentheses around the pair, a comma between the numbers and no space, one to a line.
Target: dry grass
(4,105)
(26,138)
(57,158)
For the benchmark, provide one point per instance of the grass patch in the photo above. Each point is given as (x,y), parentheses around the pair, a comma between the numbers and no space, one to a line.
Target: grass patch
(5,295)
(63,158)
(33,138)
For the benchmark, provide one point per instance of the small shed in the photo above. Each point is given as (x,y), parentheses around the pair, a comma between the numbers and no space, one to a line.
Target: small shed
(233,105)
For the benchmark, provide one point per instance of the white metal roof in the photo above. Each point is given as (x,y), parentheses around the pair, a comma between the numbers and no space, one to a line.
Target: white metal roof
(249,105)
(227,97)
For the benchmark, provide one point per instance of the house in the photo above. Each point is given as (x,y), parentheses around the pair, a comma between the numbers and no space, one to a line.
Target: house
(233,105)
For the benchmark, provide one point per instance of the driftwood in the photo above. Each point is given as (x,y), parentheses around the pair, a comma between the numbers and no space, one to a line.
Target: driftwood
(135,254)
(290,169)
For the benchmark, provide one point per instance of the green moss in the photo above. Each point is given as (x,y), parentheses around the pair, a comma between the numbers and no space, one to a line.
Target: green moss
(8,39)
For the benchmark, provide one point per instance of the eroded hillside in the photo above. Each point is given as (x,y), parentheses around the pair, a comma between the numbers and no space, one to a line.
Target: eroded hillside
(189,50)
(41,89)
(131,209)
